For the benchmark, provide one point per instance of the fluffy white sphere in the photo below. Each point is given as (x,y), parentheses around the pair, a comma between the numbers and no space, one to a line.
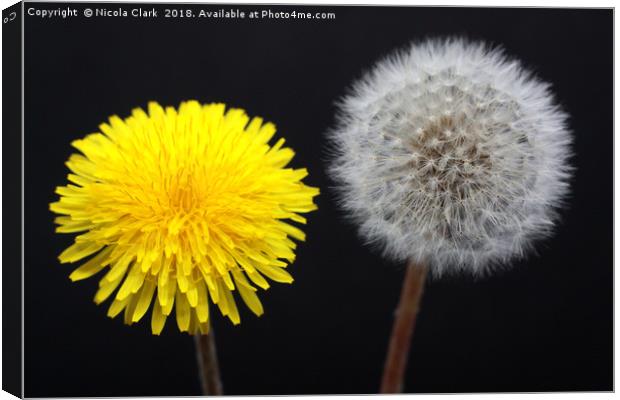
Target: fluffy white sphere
(453,154)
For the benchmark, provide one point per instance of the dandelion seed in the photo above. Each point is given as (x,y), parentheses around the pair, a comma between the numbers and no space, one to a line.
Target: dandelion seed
(495,141)
(476,179)
(182,208)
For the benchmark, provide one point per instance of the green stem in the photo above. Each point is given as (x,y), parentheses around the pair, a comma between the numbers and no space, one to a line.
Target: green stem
(402,331)
(208,367)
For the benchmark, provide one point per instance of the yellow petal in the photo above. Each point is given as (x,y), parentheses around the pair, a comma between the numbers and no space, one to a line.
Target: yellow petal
(130,309)
(223,300)
(192,293)
(167,308)
(275,273)
(77,226)
(182,312)
(119,268)
(233,313)
(258,280)
(248,294)
(78,251)
(292,231)
(146,295)
(117,306)
(202,308)
(106,290)
(183,282)
(132,279)
(158,319)
(213,289)
(92,266)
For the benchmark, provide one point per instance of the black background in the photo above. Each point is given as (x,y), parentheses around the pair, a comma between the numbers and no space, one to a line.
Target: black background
(545,324)
(11,205)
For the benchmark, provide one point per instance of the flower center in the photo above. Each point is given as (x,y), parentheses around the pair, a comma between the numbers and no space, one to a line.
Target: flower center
(448,157)
(451,147)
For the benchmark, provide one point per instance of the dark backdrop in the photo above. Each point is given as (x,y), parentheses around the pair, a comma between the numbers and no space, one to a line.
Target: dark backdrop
(544,325)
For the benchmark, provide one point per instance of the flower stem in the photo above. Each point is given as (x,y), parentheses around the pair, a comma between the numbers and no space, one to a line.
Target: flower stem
(208,367)
(404,324)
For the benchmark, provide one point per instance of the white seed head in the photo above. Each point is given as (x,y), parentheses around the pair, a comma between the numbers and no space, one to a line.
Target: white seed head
(453,154)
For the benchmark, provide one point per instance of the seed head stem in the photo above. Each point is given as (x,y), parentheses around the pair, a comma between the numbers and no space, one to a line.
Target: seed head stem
(208,368)
(402,331)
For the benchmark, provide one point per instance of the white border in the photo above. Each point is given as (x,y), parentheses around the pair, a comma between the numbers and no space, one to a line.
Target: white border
(480,3)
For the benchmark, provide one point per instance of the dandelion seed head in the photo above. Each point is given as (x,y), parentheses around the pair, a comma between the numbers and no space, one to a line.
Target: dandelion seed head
(182,208)
(451,153)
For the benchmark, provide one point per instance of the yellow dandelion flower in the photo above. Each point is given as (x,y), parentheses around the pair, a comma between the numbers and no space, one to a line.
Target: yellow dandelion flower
(182,206)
